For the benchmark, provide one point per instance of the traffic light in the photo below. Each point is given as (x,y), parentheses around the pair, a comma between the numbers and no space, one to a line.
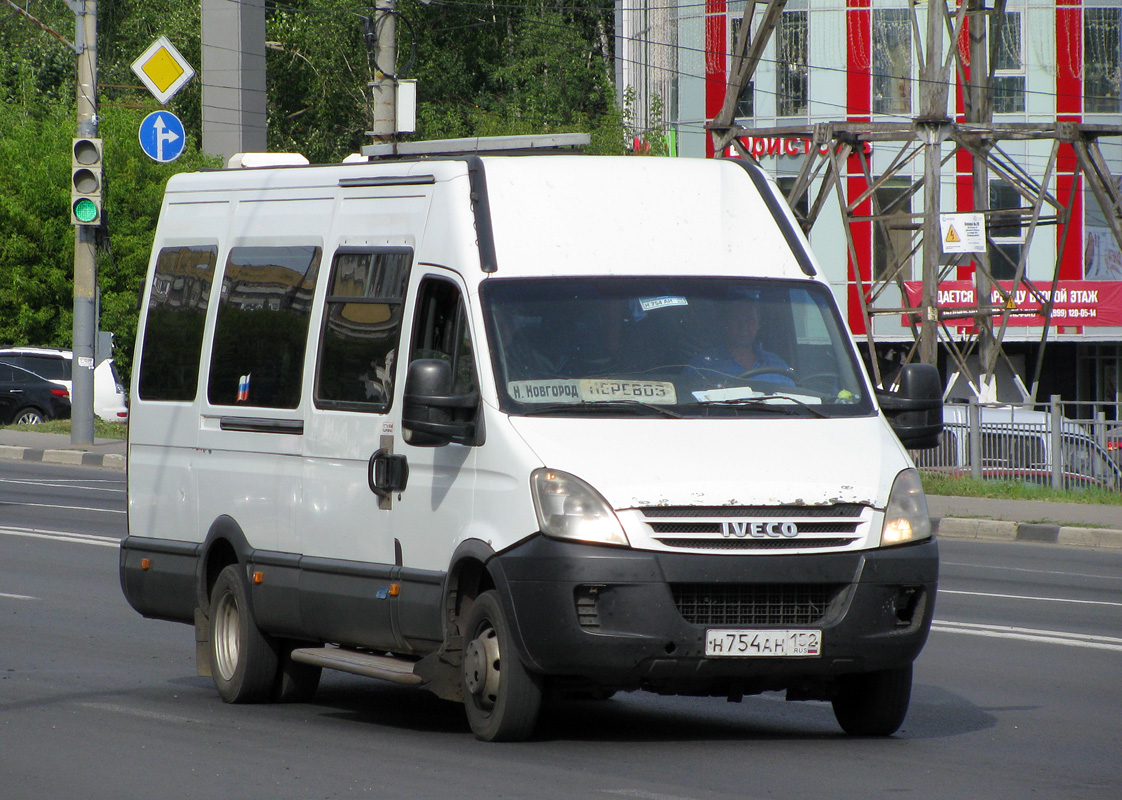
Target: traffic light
(85,182)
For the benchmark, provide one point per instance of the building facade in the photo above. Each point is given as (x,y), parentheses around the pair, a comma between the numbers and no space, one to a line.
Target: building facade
(859,62)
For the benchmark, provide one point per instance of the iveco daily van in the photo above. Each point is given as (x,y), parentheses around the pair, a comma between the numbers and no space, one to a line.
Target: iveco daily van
(507,426)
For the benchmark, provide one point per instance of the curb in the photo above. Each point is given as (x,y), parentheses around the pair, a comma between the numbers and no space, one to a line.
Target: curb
(74,458)
(1001,531)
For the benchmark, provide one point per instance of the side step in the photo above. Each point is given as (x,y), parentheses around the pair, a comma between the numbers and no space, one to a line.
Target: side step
(367,664)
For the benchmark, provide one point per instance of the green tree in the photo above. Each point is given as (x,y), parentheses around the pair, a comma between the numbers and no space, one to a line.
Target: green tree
(483,68)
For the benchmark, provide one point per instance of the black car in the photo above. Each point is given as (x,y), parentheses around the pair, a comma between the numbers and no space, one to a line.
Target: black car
(28,399)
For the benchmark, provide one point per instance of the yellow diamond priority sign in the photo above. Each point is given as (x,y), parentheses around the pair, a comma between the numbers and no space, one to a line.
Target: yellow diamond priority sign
(163,70)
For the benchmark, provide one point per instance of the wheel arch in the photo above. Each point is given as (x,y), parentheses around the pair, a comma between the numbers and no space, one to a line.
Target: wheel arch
(225,544)
(475,568)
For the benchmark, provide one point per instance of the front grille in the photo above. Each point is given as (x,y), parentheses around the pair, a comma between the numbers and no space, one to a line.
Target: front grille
(756,528)
(757,544)
(742,605)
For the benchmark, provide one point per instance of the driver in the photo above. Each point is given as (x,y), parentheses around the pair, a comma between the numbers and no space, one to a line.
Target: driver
(741,351)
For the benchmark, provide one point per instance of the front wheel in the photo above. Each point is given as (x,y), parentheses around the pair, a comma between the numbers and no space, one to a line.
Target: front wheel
(501,697)
(243,659)
(28,416)
(873,703)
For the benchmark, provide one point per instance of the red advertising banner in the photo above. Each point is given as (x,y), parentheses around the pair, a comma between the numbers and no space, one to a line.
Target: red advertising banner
(1075,303)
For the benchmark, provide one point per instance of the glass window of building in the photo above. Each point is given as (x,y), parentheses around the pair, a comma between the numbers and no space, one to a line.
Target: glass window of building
(745,101)
(893,239)
(791,73)
(1009,67)
(1102,60)
(1006,233)
(892,61)
(799,205)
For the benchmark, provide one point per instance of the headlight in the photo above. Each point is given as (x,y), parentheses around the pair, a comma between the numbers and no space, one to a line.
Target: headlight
(906,518)
(568,508)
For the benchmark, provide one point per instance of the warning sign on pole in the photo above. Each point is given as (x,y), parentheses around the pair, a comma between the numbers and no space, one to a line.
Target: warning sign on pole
(963,233)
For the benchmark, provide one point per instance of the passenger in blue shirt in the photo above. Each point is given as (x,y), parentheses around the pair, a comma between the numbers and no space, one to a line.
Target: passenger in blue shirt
(741,351)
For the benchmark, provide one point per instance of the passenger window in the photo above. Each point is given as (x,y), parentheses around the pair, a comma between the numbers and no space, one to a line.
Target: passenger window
(361,329)
(173,336)
(441,331)
(261,332)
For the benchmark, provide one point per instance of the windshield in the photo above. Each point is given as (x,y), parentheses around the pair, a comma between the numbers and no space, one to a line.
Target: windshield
(677,347)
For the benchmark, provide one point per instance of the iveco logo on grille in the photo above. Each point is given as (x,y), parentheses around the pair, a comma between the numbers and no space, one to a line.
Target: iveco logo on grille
(759,530)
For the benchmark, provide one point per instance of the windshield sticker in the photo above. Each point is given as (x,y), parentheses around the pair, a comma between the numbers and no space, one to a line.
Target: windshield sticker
(592,390)
(744,393)
(652,303)
(542,391)
(603,390)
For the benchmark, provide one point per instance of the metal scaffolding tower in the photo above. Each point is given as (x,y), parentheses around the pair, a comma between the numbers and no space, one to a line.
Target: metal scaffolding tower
(935,139)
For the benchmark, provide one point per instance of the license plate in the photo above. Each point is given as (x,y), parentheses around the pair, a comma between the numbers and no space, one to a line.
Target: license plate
(748,643)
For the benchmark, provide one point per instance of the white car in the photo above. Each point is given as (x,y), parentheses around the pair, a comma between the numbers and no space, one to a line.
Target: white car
(54,364)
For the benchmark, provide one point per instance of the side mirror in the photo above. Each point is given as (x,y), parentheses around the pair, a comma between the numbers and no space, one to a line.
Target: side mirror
(915,409)
(430,412)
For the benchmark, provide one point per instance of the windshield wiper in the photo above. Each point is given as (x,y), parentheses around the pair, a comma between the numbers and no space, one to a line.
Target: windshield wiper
(762,402)
(616,405)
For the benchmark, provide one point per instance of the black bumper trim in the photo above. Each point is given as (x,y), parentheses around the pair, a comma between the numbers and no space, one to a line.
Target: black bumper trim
(879,619)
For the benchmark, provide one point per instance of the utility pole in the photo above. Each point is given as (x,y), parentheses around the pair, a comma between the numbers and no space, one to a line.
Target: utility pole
(934,127)
(384,85)
(980,111)
(85,265)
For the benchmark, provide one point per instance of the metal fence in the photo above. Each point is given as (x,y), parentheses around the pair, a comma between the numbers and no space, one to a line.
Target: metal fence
(1065,445)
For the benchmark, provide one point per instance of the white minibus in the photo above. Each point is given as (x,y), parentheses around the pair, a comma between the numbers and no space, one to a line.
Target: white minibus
(514,427)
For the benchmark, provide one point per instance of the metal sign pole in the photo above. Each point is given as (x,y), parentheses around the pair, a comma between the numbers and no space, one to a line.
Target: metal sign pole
(85,265)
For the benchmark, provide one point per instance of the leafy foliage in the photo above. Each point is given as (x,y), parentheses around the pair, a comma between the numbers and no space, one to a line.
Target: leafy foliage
(483,68)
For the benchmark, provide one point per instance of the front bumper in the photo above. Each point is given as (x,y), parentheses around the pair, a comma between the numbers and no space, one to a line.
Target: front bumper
(610,617)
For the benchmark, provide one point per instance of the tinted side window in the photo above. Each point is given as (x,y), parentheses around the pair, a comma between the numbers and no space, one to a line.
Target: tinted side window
(261,331)
(173,336)
(441,331)
(361,327)
(55,368)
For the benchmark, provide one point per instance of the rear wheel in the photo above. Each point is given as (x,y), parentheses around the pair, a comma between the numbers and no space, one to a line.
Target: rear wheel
(873,703)
(28,416)
(243,659)
(501,697)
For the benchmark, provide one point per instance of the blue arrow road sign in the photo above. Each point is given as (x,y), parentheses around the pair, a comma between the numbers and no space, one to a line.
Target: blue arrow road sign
(162,137)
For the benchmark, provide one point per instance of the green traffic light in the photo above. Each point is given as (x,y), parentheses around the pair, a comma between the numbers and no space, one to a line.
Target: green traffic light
(85,210)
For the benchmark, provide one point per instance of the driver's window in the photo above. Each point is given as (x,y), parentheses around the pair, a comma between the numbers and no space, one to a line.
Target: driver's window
(441,331)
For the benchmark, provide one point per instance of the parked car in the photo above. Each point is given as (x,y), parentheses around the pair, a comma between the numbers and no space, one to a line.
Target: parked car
(1016,444)
(29,399)
(1114,444)
(110,398)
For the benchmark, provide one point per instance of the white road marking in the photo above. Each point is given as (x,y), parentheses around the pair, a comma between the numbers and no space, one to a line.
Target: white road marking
(1029,635)
(116,487)
(67,508)
(7,596)
(1060,573)
(61,536)
(1034,597)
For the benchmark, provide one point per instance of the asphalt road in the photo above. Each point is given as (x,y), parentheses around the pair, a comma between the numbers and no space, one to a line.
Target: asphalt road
(1018,694)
